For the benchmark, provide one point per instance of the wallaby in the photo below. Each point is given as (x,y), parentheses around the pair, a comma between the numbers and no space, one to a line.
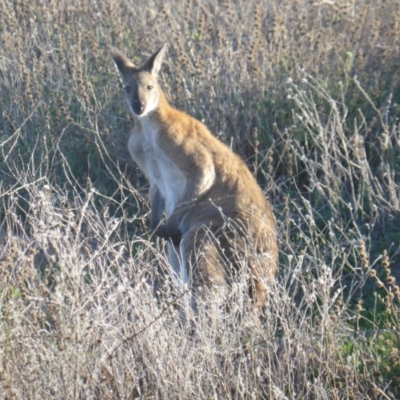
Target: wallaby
(217,217)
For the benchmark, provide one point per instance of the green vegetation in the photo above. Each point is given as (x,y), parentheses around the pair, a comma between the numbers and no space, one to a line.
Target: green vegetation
(307,92)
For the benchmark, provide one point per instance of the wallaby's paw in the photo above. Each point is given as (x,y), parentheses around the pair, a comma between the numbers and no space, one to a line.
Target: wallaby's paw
(172,235)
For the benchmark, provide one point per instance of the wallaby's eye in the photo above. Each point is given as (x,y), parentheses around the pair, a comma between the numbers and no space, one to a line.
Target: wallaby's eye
(149,87)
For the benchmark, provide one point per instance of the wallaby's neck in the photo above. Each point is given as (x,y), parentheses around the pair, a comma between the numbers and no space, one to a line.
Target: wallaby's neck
(163,107)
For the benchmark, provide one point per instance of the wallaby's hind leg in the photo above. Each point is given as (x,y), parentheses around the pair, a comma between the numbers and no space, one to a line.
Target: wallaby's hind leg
(205,268)
(254,257)
(217,258)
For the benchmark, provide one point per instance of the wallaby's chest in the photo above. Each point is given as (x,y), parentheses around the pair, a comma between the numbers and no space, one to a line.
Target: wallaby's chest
(158,166)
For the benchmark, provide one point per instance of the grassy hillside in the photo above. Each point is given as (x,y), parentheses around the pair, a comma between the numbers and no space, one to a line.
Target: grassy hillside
(307,92)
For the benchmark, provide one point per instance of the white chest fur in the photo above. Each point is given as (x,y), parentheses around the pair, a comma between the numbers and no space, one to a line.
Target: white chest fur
(156,164)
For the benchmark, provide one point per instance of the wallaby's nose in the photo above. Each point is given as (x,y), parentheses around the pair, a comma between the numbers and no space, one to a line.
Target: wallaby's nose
(139,107)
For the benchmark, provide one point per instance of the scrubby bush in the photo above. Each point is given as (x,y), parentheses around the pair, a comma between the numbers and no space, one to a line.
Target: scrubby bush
(306,92)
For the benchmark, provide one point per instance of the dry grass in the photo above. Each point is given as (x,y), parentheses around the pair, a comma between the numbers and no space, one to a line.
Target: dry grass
(307,93)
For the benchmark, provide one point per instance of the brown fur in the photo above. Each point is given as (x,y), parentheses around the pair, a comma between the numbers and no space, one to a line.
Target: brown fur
(221,216)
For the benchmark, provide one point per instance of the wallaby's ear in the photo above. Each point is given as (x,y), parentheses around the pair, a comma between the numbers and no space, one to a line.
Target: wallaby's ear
(153,64)
(122,62)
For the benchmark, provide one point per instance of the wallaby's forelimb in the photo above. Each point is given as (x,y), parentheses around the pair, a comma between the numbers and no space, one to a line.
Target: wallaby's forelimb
(157,205)
(173,235)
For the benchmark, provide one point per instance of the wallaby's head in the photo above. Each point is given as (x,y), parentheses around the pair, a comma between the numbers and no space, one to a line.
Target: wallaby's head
(142,92)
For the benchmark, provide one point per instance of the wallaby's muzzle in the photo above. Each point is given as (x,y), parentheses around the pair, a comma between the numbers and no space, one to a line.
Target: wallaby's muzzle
(138,107)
